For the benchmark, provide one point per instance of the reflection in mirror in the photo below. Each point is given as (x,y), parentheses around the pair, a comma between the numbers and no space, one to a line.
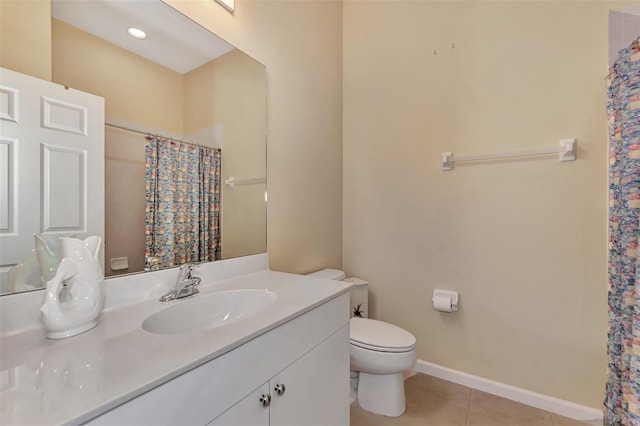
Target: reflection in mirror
(180,93)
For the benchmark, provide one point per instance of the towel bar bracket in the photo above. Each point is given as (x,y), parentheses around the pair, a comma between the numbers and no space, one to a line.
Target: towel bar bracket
(568,148)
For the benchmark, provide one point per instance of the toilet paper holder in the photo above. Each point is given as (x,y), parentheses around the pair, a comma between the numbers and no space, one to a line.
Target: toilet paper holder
(451,298)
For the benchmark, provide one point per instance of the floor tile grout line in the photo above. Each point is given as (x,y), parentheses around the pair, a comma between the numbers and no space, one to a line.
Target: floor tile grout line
(550,421)
(466,422)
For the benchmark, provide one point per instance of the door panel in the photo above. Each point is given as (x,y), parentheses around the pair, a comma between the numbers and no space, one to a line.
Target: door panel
(64,175)
(51,171)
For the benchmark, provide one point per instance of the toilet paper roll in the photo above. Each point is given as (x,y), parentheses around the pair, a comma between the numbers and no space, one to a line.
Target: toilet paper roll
(442,303)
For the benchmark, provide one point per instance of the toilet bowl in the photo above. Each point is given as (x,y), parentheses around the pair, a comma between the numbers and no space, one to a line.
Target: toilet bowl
(379,353)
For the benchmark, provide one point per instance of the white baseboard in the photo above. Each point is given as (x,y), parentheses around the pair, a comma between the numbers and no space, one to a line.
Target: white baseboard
(533,399)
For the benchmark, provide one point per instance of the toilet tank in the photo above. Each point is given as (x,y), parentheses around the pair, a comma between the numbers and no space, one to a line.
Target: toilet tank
(329,274)
(359,294)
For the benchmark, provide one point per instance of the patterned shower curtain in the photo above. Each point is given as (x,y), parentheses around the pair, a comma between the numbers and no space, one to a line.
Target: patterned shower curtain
(182,202)
(622,402)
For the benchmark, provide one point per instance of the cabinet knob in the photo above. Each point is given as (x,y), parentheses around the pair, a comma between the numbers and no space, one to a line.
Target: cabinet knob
(279,389)
(265,400)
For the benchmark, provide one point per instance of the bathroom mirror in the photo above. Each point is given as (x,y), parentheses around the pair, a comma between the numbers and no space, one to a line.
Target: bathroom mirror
(182,82)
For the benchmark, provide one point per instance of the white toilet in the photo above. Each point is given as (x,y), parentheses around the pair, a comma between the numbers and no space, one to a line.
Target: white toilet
(380,352)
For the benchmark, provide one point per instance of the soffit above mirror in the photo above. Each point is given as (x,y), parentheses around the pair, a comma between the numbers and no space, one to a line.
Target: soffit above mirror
(172,39)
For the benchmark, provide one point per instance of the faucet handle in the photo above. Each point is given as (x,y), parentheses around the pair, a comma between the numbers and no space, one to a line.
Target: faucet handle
(184,272)
(195,281)
(196,266)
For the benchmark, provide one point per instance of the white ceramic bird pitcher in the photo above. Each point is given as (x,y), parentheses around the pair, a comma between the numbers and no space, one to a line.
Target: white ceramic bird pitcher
(75,295)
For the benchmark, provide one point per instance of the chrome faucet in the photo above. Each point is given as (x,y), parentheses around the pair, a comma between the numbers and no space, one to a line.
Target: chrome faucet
(185,285)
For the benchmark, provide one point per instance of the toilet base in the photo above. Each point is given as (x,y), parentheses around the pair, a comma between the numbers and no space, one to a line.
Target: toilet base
(353,388)
(382,393)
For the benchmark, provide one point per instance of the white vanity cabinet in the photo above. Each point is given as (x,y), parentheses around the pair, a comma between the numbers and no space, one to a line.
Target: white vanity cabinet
(309,355)
(311,391)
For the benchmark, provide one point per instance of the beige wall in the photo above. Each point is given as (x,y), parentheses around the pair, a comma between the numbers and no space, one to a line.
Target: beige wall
(523,241)
(134,88)
(136,91)
(301,45)
(199,88)
(25,26)
(223,92)
(125,197)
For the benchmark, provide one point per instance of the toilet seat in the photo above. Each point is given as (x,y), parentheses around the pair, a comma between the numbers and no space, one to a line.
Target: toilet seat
(380,336)
(381,348)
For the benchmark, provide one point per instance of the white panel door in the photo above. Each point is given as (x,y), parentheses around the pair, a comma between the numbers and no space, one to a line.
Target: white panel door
(51,169)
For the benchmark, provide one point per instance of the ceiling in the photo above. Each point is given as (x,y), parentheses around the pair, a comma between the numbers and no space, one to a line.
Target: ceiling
(173,40)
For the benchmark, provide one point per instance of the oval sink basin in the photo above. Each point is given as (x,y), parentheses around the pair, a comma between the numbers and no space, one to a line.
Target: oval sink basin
(208,311)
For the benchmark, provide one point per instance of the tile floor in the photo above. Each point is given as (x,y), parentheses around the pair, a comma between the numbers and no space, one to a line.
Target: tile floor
(435,402)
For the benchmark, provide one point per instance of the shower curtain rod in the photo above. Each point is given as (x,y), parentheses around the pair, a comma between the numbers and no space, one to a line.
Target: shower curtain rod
(159,135)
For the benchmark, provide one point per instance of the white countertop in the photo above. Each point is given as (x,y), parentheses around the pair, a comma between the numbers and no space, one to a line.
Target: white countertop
(72,380)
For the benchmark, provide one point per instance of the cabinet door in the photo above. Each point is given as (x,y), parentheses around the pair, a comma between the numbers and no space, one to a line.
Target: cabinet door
(250,411)
(316,386)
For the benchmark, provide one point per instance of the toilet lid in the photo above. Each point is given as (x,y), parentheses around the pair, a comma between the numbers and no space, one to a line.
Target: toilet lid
(380,336)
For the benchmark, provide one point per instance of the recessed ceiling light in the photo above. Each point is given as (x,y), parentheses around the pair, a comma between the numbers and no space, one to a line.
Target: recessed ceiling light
(137,33)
